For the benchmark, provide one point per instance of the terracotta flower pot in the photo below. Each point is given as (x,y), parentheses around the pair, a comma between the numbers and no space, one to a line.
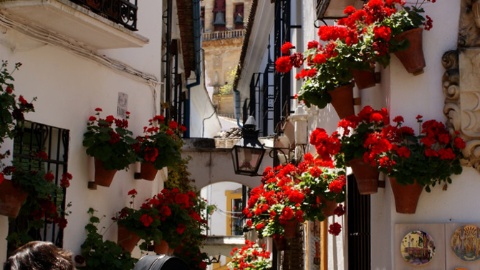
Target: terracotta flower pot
(412,57)
(11,199)
(162,248)
(342,100)
(406,196)
(329,207)
(290,229)
(103,177)
(127,239)
(364,78)
(366,176)
(148,171)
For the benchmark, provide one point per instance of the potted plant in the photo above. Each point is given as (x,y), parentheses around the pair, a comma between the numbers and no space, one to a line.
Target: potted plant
(346,146)
(327,72)
(390,24)
(110,142)
(250,256)
(159,146)
(289,195)
(419,161)
(97,253)
(44,199)
(135,224)
(179,215)
(194,235)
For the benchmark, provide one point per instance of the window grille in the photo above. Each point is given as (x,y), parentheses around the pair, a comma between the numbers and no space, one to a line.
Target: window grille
(33,138)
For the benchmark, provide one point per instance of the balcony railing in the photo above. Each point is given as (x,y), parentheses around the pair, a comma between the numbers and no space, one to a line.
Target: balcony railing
(123,12)
(224,34)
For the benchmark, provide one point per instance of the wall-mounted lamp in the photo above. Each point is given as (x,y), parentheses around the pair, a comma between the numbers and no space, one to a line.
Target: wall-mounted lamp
(248,153)
(300,120)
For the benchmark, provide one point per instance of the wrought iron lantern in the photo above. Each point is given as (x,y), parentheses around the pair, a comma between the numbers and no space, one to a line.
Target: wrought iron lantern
(248,153)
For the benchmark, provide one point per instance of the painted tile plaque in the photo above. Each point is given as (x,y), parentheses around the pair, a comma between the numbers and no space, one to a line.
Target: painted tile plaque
(465,242)
(417,247)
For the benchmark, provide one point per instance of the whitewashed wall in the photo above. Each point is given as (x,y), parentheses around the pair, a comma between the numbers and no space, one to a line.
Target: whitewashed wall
(409,96)
(69,88)
(215,195)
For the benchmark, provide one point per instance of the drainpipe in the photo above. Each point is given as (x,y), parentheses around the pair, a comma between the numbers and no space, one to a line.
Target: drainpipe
(236,99)
(196,41)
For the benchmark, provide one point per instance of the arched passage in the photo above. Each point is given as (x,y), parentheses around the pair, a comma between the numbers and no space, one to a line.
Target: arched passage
(209,166)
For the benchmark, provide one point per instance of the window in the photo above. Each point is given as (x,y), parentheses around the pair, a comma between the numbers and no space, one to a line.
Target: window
(35,138)
(219,15)
(238,16)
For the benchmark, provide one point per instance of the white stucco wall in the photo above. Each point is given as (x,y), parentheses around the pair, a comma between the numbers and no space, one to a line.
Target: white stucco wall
(215,195)
(69,88)
(409,96)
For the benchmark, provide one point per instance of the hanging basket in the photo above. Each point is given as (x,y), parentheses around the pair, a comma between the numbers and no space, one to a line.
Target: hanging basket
(290,229)
(127,239)
(406,196)
(11,199)
(162,248)
(148,171)
(366,176)
(342,100)
(412,57)
(364,78)
(103,177)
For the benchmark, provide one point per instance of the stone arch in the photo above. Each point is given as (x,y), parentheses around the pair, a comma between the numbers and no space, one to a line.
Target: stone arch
(215,165)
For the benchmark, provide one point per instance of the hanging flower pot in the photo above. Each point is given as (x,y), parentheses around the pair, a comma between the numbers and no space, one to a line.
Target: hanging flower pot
(148,171)
(366,176)
(342,100)
(329,207)
(11,199)
(162,248)
(364,78)
(103,177)
(127,239)
(406,196)
(290,229)
(412,57)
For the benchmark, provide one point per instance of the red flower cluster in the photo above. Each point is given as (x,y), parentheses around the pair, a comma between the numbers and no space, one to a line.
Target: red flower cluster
(109,140)
(250,256)
(290,192)
(169,215)
(160,143)
(357,42)
(429,158)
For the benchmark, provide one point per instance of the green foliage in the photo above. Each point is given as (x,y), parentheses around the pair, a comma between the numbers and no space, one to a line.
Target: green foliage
(43,204)
(102,254)
(144,221)
(228,87)
(12,109)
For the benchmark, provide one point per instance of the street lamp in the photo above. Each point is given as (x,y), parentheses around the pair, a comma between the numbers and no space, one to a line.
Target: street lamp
(247,154)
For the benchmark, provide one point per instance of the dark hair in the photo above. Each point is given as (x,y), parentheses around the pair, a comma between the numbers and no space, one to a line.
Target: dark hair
(38,255)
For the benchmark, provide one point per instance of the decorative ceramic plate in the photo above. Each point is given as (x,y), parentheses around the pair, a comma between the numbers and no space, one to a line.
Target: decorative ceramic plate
(417,248)
(465,242)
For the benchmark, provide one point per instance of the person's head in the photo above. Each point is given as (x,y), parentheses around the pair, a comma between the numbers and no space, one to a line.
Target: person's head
(38,255)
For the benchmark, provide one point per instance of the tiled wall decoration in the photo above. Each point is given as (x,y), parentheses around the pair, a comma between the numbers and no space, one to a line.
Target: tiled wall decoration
(437,246)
